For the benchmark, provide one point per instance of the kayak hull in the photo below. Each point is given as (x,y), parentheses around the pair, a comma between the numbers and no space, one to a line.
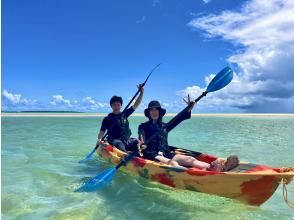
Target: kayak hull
(249,183)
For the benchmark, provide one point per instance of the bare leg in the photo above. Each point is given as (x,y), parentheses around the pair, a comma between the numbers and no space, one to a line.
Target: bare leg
(184,160)
(168,161)
(162,159)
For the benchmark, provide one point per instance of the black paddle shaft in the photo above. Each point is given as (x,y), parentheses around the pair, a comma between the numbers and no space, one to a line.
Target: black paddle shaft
(126,159)
(201,96)
(143,84)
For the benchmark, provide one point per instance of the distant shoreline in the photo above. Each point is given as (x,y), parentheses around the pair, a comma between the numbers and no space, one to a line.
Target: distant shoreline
(46,114)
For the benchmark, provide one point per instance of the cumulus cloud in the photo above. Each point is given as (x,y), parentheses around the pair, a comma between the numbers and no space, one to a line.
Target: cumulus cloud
(206,1)
(263,32)
(85,104)
(93,104)
(59,100)
(16,102)
(89,100)
(13,99)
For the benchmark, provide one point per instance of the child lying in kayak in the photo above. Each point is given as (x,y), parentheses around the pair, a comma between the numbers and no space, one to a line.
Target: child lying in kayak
(220,165)
(224,165)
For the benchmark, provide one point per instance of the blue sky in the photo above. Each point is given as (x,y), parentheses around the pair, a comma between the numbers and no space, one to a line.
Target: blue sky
(74,55)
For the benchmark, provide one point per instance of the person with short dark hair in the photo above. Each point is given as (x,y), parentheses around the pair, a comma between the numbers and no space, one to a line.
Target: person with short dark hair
(116,99)
(117,125)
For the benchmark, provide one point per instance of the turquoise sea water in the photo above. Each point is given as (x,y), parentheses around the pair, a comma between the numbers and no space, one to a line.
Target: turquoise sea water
(40,170)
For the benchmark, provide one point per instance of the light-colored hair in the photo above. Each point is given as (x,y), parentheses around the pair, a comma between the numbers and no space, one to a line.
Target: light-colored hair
(231,163)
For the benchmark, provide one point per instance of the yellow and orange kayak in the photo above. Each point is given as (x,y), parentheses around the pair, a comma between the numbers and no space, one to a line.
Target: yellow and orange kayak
(249,183)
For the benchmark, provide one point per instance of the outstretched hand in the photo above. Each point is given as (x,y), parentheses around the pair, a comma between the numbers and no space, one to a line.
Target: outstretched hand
(190,103)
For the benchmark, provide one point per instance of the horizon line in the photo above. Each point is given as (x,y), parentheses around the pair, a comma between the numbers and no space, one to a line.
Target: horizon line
(102,114)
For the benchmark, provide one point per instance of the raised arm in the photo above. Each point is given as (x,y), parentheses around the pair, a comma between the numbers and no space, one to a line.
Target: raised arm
(140,97)
(178,119)
(183,115)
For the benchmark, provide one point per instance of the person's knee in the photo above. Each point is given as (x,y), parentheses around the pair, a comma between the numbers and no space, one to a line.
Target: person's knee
(132,144)
(120,145)
(135,141)
(173,163)
(190,159)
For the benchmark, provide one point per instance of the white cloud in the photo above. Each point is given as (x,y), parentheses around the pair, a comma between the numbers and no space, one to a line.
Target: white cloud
(85,104)
(102,104)
(206,1)
(14,99)
(15,102)
(59,100)
(90,102)
(193,91)
(264,33)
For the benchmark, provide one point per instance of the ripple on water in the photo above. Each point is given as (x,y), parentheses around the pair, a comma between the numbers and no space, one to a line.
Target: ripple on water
(40,170)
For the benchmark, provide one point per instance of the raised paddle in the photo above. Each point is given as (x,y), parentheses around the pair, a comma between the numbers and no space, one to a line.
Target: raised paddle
(105,135)
(143,84)
(223,78)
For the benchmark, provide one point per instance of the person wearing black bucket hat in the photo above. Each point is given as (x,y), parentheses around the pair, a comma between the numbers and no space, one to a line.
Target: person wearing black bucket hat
(157,149)
(155,132)
(117,124)
(154,104)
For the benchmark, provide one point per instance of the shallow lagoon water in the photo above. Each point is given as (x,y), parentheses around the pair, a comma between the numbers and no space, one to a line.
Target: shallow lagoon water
(40,169)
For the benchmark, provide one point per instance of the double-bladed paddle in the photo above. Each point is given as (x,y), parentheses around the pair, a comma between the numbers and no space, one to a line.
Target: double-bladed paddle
(222,79)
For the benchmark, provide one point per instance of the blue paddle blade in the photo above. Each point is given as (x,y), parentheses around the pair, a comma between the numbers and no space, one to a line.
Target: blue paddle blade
(88,156)
(97,182)
(223,78)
